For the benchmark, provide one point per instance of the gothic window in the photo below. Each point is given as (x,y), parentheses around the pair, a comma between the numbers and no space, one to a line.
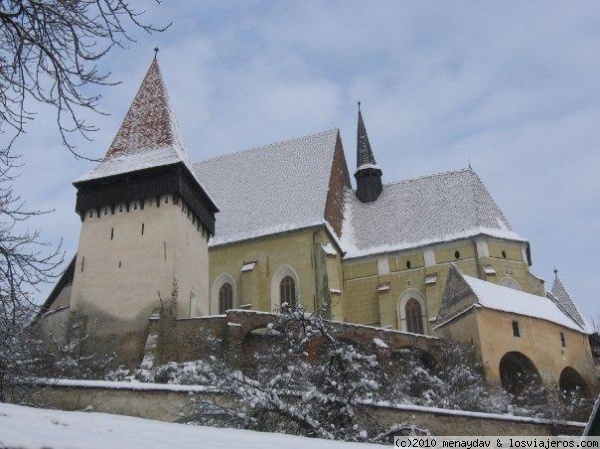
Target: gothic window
(287,291)
(225,298)
(414,316)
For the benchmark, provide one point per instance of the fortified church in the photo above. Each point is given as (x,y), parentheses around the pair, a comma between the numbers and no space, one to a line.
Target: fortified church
(205,242)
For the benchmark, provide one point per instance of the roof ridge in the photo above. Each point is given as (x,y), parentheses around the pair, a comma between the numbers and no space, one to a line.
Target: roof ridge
(475,184)
(447,172)
(278,142)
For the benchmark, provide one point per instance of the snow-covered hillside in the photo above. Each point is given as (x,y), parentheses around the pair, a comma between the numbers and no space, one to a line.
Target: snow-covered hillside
(32,428)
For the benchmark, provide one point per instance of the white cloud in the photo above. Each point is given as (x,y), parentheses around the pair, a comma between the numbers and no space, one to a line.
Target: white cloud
(510,86)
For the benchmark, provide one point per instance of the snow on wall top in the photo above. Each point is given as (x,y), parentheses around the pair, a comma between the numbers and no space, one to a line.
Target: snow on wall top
(506,299)
(271,189)
(562,299)
(149,135)
(421,211)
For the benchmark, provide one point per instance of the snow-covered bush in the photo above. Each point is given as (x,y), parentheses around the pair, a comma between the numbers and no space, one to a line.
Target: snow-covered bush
(455,381)
(307,382)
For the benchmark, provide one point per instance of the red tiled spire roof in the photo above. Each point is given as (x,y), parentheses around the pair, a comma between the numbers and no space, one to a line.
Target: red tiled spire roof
(150,123)
(149,135)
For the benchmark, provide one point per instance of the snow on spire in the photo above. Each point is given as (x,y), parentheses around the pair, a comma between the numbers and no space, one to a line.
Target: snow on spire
(149,135)
(150,123)
(562,298)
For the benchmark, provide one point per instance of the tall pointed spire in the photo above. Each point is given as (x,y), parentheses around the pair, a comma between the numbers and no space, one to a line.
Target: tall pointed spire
(368,174)
(146,159)
(364,154)
(561,297)
(150,123)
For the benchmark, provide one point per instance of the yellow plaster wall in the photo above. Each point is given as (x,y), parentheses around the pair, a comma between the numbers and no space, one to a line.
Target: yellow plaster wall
(512,250)
(292,249)
(539,341)
(361,278)
(446,253)
(492,333)
(398,262)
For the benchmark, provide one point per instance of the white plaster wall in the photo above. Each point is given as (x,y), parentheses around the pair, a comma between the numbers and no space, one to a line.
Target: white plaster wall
(170,248)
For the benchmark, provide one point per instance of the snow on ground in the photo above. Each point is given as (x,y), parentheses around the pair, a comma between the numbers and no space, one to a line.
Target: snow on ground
(32,428)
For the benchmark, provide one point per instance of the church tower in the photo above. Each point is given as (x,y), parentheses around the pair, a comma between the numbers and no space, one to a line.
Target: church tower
(146,221)
(368,174)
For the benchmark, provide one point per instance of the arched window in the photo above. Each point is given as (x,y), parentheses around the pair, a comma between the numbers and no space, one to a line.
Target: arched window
(285,288)
(287,291)
(215,295)
(225,298)
(414,316)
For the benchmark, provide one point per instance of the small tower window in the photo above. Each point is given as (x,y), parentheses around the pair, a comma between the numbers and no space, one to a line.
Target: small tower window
(142,228)
(414,316)
(408,264)
(287,291)
(516,330)
(563,341)
(112,233)
(457,255)
(225,298)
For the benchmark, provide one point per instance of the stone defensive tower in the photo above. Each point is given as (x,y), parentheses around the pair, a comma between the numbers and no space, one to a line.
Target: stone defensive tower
(146,221)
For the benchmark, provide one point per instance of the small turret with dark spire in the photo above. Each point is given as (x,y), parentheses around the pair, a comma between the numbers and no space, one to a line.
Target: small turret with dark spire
(368,174)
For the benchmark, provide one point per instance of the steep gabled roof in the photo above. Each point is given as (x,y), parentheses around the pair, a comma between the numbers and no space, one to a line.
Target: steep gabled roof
(149,135)
(271,189)
(562,299)
(421,211)
(497,297)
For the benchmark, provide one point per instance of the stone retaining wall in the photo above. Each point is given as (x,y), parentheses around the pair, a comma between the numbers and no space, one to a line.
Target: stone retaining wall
(171,403)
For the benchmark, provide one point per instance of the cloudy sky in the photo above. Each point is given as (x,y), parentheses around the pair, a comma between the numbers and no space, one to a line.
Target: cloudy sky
(511,87)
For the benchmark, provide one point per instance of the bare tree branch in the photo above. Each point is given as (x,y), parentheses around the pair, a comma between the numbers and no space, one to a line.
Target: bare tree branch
(49,52)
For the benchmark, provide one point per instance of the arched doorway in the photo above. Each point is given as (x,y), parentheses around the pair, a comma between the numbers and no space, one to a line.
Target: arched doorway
(572,382)
(518,373)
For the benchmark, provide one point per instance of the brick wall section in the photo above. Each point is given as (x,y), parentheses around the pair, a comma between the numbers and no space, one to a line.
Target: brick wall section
(230,335)
(191,339)
(339,180)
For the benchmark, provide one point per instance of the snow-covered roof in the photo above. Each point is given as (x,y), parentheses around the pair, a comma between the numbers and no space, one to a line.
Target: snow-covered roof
(421,211)
(149,135)
(497,297)
(562,299)
(271,189)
